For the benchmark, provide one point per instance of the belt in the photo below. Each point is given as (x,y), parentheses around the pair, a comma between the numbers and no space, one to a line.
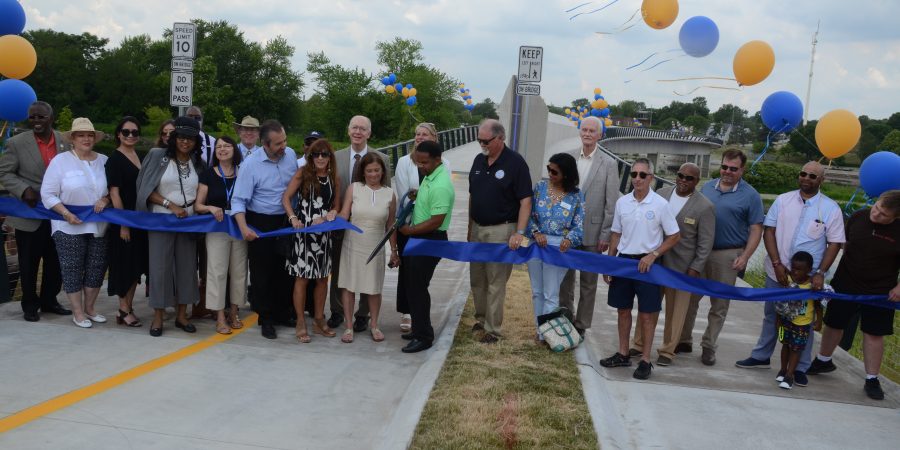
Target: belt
(625,255)
(729,248)
(494,224)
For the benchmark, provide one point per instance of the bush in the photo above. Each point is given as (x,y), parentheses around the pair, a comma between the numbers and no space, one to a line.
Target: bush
(771,177)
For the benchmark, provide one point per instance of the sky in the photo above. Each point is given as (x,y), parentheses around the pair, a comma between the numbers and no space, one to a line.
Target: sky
(857,64)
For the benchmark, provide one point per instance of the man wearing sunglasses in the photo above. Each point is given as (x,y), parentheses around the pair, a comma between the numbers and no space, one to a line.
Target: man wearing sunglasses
(499,204)
(598,176)
(697,224)
(800,220)
(22,168)
(643,229)
(207,141)
(739,217)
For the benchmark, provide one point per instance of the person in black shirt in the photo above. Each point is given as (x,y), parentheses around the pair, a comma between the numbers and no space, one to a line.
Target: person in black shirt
(499,204)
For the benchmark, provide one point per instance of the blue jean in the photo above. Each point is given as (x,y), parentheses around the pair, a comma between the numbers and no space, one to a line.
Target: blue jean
(768,336)
(545,281)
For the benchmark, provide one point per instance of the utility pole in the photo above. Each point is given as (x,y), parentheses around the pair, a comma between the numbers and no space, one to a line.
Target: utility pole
(812,61)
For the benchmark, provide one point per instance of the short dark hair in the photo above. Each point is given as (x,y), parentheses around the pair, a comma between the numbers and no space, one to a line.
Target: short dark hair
(43,104)
(733,153)
(433,149)
(267,128)
(645,162)
(121,125)
(890,200)
(236,156)
(569,170)
(359,172)
(803,257)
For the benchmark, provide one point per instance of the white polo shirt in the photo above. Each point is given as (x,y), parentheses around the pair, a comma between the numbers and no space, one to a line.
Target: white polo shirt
(643,225)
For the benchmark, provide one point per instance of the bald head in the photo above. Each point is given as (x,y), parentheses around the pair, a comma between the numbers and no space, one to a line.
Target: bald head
(687,180)
(810,178)
(814,167)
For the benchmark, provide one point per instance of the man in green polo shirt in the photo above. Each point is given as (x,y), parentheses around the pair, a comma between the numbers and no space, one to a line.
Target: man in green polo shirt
(430,220)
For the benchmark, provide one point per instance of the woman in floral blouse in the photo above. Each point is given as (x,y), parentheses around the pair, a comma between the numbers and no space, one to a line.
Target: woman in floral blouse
(557,219)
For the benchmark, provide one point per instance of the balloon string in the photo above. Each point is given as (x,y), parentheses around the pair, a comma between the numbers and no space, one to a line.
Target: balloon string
(697,78)
(579,6)
(724,88)
(625,25)
(848,208)
(768,141)
(643,61)
(810,143)
(598,9)
(416,119)
(3,130)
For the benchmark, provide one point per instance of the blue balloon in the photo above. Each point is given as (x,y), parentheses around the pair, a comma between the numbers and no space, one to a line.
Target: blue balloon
(393,78)
(597,96)
(12,17)
(699,36)
(878,173)
(409,86)
(595,112)
(386,81)
(470,107)
(604,112)
(15,98)
(462,91)
(399,88)
(782,112)
(411,100)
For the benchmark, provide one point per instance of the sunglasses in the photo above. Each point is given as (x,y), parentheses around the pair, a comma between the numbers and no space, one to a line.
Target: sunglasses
(127,132)
(486,141)
(729,168)
(811,176)
(318,155)
(639,174)
(195,117)
(553,172)
(37,117)
(684,177)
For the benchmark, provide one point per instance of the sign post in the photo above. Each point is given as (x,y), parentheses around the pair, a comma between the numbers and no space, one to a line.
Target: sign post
(184,50)
(528,74)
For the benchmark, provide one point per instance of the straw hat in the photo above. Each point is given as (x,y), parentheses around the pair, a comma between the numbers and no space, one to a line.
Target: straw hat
(83,124)
(248,122)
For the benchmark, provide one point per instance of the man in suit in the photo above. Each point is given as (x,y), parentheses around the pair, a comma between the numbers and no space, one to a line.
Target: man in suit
(359,130)
(599,179)
(696,219)
(207,141)
(22,168)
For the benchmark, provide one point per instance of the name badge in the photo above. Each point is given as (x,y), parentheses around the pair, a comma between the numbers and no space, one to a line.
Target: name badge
(689,221)
(565,205)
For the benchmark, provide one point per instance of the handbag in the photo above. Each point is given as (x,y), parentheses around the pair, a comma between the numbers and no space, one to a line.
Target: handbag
(558,331)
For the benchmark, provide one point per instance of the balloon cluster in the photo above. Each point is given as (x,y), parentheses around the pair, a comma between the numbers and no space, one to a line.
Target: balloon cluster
(466,96)
(17,60)
(392,86)
(598,108)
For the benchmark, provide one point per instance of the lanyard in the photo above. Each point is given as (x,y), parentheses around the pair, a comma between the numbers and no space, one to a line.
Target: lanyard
(228,192)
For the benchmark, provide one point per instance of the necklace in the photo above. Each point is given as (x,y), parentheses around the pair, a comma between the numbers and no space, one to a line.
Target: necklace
(555,197)
(184,169)
(324,183)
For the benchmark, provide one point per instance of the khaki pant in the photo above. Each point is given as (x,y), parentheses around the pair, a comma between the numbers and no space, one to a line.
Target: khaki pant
(677,305)
(718,268)
(226,257)
(488,280)
(587,282)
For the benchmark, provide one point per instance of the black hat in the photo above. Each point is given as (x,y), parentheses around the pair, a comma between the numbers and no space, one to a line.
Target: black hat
(186,126)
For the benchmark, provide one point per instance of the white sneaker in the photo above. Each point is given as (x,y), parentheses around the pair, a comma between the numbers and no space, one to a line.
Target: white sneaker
(784,384)
(99,318)
(86,323)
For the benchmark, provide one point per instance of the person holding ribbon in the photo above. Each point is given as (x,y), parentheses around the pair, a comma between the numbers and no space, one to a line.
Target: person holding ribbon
(77,178)
(127,246)
(226,267)
(167,184)
(557,219)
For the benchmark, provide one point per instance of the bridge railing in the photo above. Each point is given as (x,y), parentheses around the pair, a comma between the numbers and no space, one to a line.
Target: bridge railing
(448,139)
(626,132)
(625,169)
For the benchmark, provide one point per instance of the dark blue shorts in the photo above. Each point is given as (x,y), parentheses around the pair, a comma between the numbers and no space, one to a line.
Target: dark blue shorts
(623,290)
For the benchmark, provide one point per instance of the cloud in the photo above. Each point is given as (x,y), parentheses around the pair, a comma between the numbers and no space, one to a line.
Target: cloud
(876,77)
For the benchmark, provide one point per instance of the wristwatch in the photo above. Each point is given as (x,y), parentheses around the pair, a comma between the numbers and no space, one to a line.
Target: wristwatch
(655,253)
(819,271)
(166,203)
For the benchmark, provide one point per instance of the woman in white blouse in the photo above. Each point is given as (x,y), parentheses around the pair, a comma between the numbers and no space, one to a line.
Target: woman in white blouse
(78,178)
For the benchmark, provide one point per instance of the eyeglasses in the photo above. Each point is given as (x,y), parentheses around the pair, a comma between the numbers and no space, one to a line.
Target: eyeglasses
(37,117)
(486,141)
(639,174)
(811,176)
(196,117)
(129,132)
(184,138)
(684,177)
(315,155)
(729,168)
(553,172)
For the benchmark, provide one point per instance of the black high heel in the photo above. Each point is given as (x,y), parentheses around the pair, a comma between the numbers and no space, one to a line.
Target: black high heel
(187,327)
(120,319)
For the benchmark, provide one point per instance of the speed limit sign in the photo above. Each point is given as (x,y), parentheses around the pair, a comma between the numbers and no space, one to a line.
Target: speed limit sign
(184,40)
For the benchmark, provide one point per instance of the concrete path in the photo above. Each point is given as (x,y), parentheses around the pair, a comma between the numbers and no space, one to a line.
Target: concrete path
(246,392)
(689,405)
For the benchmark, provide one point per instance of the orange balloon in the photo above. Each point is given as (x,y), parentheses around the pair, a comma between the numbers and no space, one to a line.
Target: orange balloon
(413,92)
(602,103)
(837,133)
(659,14)
(19,57)
(753,62)
(597,91)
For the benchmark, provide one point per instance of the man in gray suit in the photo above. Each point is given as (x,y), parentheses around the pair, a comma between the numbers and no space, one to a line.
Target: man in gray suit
(22,168)
(359,130)
(697,221)
(599,179)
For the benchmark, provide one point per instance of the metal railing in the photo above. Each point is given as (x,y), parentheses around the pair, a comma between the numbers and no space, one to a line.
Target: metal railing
(448,139)
(628,132)
(624,169)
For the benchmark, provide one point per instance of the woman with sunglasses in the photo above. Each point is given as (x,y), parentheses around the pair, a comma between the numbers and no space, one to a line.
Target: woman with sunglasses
(165,130)
(127,247)
(310,256)
(557,219)
(226,257)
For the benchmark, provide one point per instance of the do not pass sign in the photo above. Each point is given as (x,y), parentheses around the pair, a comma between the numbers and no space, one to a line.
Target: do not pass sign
(182,89)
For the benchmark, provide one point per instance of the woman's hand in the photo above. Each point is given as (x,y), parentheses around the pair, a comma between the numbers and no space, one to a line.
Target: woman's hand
(395,260)
(179,212)
(295,222)
(607,279)
(100,205)
(217,212)
(318,220)
(540,239)
(71,218)
(331,215)
(125,234)
(564,245)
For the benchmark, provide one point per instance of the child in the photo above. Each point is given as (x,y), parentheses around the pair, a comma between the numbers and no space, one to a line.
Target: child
(795,319)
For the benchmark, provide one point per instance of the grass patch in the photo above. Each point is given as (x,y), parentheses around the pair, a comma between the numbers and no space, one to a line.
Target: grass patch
(890,364)
(513,394)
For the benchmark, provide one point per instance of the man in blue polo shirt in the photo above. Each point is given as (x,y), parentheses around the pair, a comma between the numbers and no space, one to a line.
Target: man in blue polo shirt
(739,218)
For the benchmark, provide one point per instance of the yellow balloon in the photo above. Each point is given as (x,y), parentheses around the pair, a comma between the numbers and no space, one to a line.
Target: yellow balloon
(659,14)
(462,85)
(390,89)
(412,92)
(753,62)
(608,122)
(597,91)
(469,101)
(19,57)
(837,133)
(568,111)
(405,92)
(602,103)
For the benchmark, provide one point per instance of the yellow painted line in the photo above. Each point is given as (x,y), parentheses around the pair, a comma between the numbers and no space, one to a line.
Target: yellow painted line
(70,398)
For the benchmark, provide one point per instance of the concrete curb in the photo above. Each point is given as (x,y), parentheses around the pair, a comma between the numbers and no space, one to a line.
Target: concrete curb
(608,423)
(399,432)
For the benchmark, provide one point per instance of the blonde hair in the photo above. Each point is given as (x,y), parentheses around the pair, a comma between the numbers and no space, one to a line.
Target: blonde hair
(430,128)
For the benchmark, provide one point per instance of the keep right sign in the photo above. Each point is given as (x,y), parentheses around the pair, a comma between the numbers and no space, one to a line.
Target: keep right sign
(531,60)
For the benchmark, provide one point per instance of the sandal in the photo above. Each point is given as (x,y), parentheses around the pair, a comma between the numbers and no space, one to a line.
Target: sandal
(347,337)
(234,321)
(222,328)
(320,327)
(377,335)
(123,315)
(303,335)
(405,323)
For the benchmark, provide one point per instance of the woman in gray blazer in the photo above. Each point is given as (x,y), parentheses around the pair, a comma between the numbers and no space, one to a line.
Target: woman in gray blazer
(167,184)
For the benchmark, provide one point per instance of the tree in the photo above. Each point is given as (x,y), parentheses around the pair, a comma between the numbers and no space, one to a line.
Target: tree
(64,119)
(487,109)
(340,91)
(894,121)
(802,140)
(400,54)
(581,103)
(66,67)
(891,142)
(628,108)
(699,124)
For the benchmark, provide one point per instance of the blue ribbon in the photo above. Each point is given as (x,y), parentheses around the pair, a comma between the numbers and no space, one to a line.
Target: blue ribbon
(622,267)
(204,223)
